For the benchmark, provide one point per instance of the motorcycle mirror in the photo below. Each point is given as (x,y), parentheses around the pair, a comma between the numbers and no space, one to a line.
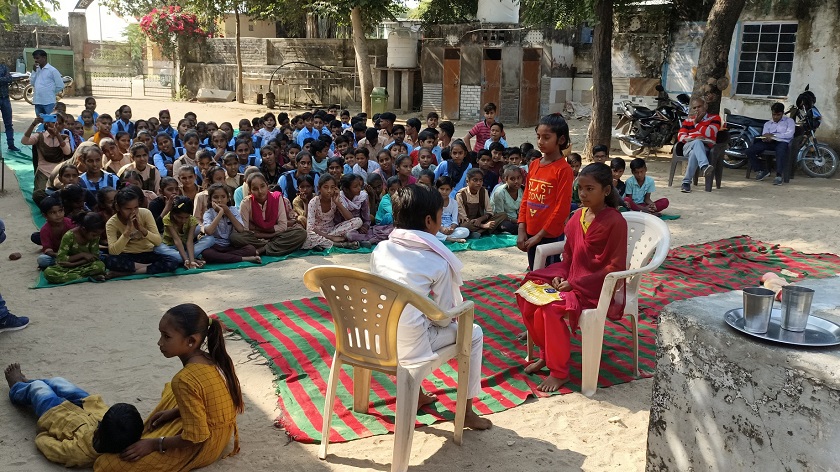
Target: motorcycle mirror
(683,98)
(659,88)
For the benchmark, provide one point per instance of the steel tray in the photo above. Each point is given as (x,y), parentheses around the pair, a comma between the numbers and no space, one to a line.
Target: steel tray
(819,332)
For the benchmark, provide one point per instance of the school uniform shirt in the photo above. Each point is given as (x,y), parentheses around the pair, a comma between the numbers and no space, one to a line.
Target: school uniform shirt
(449,216)
(117,244)
(471,198)
(66,432)
(637,192)
(307,133)
(253,160)
(371,168)
(547,199)
(146,174)
(120,125)
(185,161)
(172,132)
(319,167)
(503,202)
(490,141)
(162,159)
(225,227)
(107,180)
(444,169)
(234,182)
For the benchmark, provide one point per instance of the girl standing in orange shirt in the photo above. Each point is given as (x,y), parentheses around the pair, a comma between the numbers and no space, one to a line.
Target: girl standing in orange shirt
(547,199)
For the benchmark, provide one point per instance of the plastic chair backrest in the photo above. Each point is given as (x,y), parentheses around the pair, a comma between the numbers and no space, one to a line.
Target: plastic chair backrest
(366,310)
(645,234)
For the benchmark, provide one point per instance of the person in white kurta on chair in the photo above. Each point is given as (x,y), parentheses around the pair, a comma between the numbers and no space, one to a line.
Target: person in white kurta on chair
(47,83)
(413,256)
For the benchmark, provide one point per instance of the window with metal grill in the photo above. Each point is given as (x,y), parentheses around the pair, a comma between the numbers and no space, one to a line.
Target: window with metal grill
(765,59)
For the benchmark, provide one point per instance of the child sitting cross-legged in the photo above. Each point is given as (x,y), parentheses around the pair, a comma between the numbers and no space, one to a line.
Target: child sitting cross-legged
(74,426)
(596,244)
(323,211)
(356,201)
(638,190)
(414,257)
(475,209)
(384,214)
(220,220)
(449,229)
(78,253)
(53,230)
(180,229)
(507,197)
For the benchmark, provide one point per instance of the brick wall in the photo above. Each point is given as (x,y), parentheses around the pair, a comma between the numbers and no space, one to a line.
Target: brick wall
(509,106)
(432,98)
(470,102)
(545,96)
(18,37)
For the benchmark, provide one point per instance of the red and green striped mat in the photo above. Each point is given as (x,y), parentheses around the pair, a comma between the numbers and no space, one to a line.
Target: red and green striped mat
(297,336)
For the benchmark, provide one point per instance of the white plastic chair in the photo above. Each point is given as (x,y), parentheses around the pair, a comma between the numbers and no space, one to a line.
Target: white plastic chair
(648,243)
(366,310)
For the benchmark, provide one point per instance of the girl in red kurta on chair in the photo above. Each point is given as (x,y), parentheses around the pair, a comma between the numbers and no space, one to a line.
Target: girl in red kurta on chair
(547,199)
(596,244)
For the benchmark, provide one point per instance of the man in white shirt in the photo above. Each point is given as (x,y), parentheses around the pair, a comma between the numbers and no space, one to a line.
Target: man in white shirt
(47,83)
(414,257)
(775,136)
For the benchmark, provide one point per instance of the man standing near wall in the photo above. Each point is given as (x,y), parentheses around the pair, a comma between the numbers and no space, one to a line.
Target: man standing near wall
(47,82)
(6,106)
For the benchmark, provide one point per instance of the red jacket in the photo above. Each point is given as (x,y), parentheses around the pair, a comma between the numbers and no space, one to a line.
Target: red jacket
(707,128)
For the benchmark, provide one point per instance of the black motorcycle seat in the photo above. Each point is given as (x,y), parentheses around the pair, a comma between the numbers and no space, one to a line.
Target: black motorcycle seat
(746,121)
(642,112)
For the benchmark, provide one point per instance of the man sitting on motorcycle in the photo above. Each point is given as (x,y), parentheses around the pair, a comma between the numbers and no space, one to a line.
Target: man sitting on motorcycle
(698,134)
(775,136)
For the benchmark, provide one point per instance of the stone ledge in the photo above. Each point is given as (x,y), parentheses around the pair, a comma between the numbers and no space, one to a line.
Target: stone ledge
(723,401)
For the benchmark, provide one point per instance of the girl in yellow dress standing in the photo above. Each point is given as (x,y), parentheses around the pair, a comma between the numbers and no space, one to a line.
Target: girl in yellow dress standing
(196,416)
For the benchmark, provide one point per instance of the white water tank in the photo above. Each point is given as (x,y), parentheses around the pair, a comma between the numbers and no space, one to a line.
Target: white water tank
(498,11)
(402,48)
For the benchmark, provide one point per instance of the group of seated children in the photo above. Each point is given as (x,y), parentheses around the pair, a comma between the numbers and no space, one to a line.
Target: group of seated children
(199,193)
(634,194)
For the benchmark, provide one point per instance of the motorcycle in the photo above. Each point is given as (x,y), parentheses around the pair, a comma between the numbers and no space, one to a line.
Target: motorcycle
(29,91)
(640,127)
(814,158)
(18,85)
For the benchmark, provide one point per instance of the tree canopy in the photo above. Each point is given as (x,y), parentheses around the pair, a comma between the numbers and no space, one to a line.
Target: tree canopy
(40,8)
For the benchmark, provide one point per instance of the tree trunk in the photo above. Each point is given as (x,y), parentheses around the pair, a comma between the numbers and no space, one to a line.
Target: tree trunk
(714,50)
(602,89)
(362,58)
(240,97)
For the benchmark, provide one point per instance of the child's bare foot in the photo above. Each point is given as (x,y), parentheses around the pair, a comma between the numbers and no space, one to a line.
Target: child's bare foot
(261,251)
(457,240)
(473,421)
(140,268)
(535,367)
(200,263)
(552,384)
(425,399)
(14,375)
(523,336)
(112,274)
(254,259)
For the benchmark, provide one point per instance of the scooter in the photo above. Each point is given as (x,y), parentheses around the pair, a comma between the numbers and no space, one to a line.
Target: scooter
(816,159)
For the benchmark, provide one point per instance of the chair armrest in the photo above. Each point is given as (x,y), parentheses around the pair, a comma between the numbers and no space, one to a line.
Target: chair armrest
(466,309)
(545,250)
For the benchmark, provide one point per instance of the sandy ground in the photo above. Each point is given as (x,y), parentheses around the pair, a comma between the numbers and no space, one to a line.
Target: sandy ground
(102,336)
